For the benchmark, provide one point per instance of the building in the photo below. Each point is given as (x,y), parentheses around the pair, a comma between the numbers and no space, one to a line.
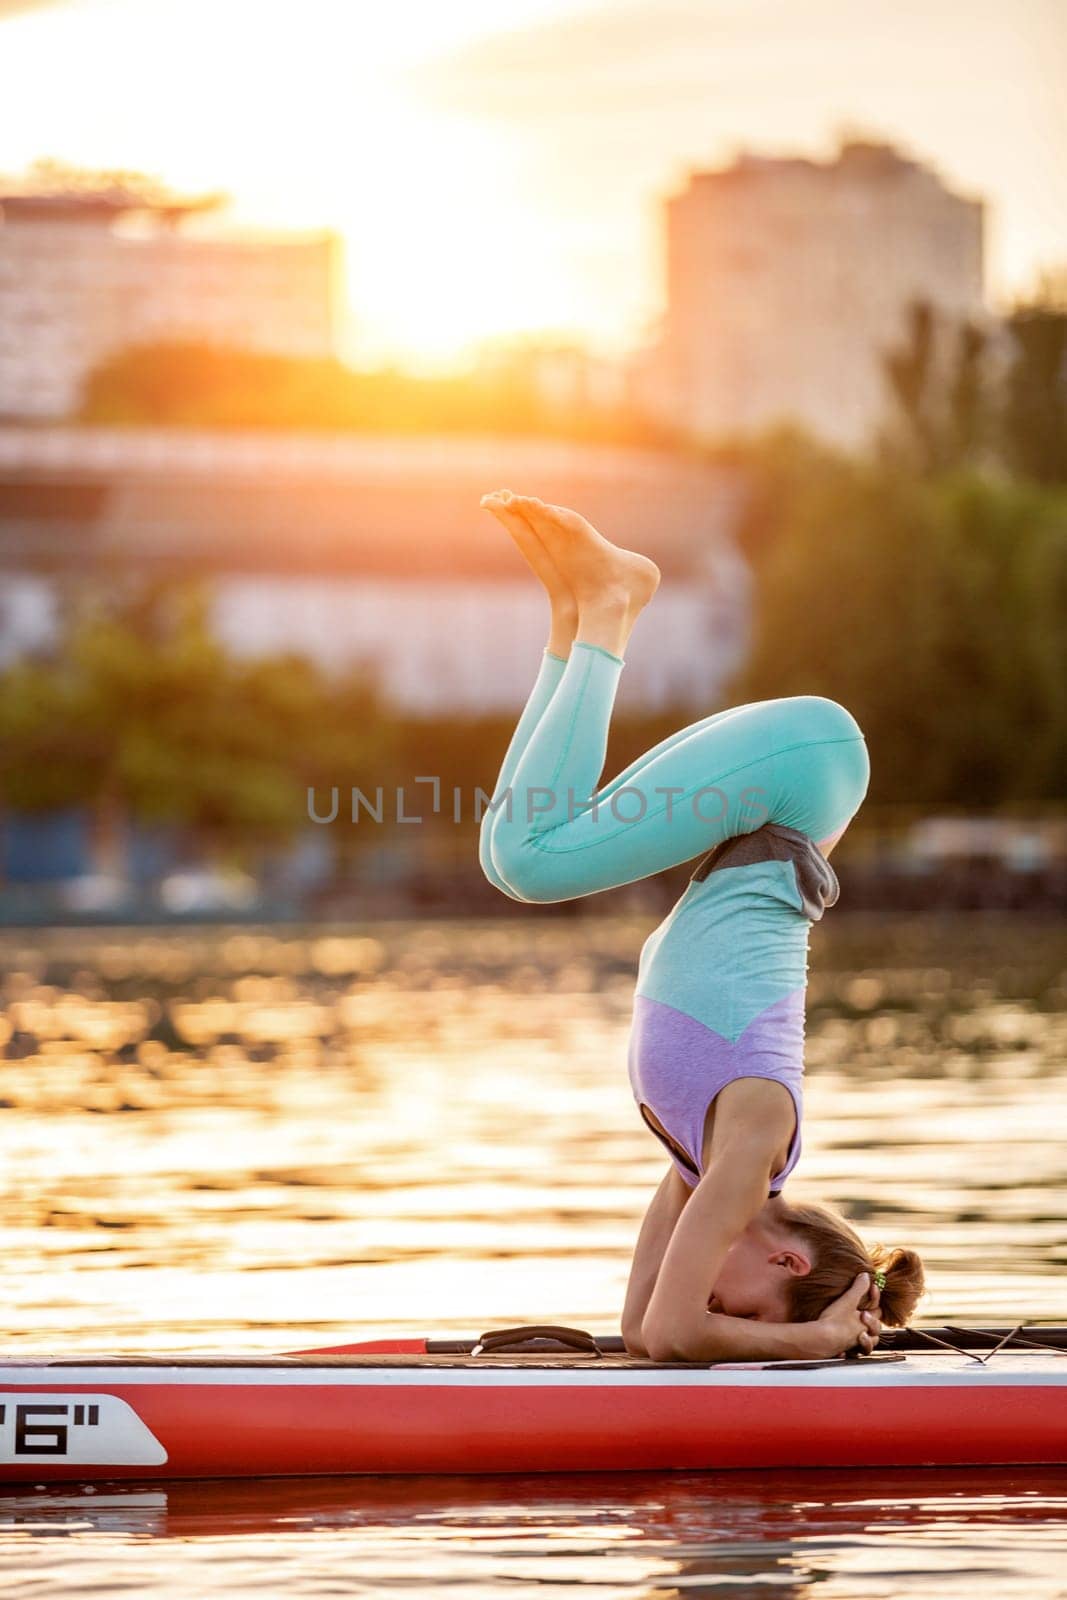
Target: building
(84,274)
(355,550)
(351,551)
(788,279)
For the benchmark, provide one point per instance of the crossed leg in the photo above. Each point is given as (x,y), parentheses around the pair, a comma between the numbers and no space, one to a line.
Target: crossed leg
(551,835)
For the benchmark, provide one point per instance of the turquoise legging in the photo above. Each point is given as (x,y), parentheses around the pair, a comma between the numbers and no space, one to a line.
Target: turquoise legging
(549,834)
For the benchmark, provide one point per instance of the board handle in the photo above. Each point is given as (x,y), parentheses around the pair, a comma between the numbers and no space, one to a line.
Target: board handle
(533,1340)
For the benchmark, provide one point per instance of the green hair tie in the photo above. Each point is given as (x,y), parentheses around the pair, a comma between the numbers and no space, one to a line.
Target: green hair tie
(879,1280)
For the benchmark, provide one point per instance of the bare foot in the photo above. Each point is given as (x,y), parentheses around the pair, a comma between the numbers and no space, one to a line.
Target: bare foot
(502,503)
(612,586)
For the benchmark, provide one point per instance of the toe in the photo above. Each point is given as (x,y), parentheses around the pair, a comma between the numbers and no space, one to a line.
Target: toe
(573,521)
(537,514)
(517,526)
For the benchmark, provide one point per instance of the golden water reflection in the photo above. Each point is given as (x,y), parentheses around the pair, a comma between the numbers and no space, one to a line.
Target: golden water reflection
(637,1536)
(259,1138)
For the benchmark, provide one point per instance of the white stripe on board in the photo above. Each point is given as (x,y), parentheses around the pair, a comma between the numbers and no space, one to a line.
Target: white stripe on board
(938,1372)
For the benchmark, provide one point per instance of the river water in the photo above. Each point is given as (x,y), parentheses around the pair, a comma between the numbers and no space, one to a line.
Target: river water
(255,1140)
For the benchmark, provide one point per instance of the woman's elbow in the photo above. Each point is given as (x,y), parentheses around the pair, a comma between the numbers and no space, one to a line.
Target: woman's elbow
(663,1341)
(633,1339)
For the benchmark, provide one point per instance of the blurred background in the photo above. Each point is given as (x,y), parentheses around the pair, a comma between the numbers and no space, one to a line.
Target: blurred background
(776,293)
(764,291)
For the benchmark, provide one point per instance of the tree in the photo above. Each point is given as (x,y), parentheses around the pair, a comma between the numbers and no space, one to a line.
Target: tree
(938,386)
(968,399)
(911,377)
(145,715)
(931,607)
(1034,420)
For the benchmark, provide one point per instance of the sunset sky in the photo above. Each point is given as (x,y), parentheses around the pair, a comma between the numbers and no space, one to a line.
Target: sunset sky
(497,165)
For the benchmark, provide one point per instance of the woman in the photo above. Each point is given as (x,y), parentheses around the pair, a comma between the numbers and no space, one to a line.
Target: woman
(724,1267)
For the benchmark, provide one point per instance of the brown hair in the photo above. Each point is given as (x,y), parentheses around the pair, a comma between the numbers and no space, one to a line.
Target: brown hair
(838,1257)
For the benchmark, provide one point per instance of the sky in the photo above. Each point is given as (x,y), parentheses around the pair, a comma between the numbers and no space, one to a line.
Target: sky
(499,166)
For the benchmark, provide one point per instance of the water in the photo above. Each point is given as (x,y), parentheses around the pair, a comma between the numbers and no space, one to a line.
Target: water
(262,1140)
(619,1537)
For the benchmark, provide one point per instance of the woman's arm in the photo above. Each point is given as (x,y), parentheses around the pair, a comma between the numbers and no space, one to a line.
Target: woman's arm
(652,1241)
(677,1324)
(753,1124)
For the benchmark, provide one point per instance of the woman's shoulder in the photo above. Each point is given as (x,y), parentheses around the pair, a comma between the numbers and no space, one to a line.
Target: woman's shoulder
(753,1117)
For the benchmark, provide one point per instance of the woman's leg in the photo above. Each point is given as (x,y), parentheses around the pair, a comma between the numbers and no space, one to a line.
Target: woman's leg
(562,629)
(548,677)
(563,625)
(800,761)
(547,681)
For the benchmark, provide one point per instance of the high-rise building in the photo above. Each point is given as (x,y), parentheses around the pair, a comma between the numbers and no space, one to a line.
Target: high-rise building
(82,275)
(787,281)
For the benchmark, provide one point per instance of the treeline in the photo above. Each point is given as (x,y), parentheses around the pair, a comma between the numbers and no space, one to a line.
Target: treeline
(144,715)
(197,385)
(956,395)
(925,585)
(933,605)
(967,395)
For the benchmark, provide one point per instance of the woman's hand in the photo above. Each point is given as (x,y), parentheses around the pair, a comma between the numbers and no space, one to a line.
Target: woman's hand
(851,1320)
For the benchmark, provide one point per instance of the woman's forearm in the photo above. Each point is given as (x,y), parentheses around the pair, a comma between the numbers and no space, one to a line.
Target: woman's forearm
(721,1338)
(652,1241)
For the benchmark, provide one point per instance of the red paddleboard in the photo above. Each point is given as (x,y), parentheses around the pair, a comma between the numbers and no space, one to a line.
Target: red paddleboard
(435,1406)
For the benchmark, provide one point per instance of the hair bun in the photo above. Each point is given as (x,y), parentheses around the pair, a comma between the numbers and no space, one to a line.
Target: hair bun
(904,1283)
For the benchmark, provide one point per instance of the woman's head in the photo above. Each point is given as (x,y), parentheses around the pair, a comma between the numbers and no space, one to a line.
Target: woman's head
(791,1262)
